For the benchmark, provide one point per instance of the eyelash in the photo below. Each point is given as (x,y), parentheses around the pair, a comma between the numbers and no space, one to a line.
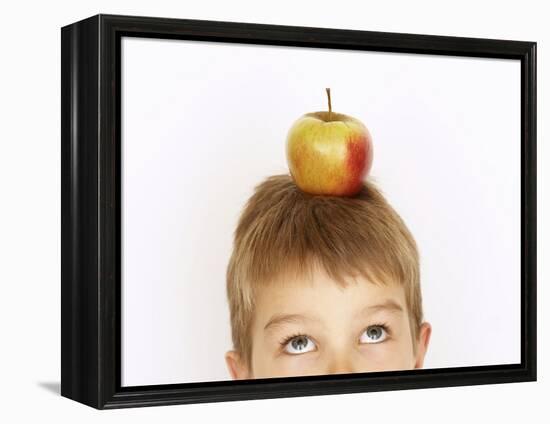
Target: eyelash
(383,325)
(287,339)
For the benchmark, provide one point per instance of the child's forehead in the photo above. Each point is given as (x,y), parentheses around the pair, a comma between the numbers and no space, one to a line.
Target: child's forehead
(315,275)
(329,304)
(322,285)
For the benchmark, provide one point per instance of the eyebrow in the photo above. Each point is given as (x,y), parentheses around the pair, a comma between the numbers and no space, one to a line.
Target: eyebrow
(388,305)
(279,319)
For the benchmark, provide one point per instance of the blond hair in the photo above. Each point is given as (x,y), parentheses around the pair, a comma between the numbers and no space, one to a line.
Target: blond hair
(284,232)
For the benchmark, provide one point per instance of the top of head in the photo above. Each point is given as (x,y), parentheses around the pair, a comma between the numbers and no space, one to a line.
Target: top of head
(283,232)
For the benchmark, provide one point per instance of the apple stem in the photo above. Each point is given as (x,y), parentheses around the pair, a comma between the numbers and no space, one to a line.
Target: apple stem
(329,104)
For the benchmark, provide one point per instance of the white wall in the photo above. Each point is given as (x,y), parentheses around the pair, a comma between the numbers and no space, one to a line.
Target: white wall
(29,232)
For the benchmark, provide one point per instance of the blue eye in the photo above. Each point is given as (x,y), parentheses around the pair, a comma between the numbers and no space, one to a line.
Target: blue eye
(299,344)
(374,334)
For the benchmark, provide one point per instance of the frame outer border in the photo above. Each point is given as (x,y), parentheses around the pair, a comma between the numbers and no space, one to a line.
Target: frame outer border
(90,211)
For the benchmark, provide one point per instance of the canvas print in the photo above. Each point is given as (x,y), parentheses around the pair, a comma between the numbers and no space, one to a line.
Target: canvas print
(293,212)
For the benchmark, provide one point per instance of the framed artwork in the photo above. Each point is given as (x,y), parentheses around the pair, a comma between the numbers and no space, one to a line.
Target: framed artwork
(257,211)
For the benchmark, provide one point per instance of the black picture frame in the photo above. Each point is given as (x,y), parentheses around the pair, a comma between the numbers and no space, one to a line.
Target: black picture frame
(91,214)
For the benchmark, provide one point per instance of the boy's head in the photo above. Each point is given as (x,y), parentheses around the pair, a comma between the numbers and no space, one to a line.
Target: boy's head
(322,285)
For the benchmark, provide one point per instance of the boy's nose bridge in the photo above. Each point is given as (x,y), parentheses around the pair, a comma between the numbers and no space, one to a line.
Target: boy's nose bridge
(341,368)
(341,362)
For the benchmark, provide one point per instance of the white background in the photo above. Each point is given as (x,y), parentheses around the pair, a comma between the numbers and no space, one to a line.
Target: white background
(203,123)
(30,231)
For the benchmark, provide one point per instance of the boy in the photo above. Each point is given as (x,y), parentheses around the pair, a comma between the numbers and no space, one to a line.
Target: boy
(322,285)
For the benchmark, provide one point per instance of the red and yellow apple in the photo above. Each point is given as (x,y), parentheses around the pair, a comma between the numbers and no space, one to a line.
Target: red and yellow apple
(329,153)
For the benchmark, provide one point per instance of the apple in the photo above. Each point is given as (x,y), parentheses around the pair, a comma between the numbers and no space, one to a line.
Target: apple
(329,153)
